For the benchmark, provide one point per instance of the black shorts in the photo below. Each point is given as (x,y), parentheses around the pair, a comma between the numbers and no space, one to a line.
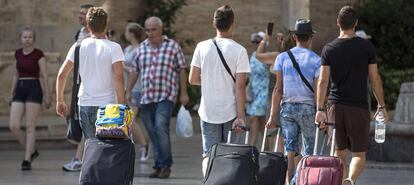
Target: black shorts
(28,90)
(352,127)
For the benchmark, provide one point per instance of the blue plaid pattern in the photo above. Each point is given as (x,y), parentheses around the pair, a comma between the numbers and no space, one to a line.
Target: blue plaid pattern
(159,70)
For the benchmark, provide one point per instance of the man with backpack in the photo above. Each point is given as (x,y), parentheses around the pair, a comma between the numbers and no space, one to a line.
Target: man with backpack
(222,80)
(101,71)
(297,71)
(76,163)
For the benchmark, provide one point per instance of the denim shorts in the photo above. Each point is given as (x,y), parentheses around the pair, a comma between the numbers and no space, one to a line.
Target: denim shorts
(296,119)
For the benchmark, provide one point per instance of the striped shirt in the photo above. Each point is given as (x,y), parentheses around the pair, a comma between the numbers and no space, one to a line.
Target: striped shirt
(158,70)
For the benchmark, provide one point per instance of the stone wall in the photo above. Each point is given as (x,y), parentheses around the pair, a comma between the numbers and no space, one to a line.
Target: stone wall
(7,71)
(56,24)
(55,21)
(194,21)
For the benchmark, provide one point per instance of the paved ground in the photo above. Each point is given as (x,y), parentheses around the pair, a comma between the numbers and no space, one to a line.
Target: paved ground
(186,171)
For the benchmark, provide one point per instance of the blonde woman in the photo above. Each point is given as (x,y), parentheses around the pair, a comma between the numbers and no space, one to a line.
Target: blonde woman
(30,87)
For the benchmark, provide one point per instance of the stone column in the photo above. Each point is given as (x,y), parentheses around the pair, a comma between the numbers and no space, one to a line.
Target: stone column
(293,10)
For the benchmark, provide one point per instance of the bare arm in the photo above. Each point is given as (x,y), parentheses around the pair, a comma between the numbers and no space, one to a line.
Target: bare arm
(322,86)
(117,69)
(13,85)
(45,81)
(132,79)
(376,84)
(184,99)
(195,76)
(324,76)
(65,69)
(315,87)
(240,98)
(276,99)
(266,58)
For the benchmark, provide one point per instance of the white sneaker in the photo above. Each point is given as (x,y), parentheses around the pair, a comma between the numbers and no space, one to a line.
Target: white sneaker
(73,166)
(348,181)
(144,151)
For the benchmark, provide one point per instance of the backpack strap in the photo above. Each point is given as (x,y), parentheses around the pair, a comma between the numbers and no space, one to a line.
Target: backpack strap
(296,66)
(223,60)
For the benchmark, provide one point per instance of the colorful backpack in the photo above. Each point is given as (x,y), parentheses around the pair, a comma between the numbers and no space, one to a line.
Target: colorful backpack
(113,121)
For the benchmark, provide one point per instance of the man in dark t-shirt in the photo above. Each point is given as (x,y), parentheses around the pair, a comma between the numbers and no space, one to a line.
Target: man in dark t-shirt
(347,62)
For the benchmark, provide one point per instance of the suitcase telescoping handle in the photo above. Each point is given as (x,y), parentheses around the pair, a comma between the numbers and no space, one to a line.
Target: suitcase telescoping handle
(244,128)
(315,149)
(277,139)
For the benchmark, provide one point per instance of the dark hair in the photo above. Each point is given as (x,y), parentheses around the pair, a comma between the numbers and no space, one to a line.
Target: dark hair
(223,18)
(287,41)
(347,17)
(303,37)
(86,6)
(137,30)
(96,19)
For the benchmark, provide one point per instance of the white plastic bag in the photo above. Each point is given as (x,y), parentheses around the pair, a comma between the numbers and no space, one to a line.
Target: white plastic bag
(184,125)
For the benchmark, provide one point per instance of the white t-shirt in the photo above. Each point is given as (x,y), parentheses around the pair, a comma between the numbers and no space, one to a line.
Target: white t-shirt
(218,98)
(96,57)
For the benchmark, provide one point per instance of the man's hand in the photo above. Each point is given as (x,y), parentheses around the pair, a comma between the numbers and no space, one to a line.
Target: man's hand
(321,119)
(384,112)
(271,123)
(184,99)
(61,109)
(237,123)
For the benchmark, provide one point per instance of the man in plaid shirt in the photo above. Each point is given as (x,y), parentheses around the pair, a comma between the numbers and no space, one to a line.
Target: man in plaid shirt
(161,65)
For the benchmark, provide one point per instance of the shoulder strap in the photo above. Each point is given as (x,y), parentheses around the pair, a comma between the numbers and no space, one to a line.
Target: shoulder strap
(75,83)
(296,66)
(223,60)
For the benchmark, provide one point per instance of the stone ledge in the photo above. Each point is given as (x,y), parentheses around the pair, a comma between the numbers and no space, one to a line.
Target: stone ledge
(396,128)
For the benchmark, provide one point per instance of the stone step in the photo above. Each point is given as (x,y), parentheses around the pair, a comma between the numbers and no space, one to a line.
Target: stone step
(50,134)
(49,142)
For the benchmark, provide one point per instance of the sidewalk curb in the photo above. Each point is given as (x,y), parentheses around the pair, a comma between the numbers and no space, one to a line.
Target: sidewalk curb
(390,166)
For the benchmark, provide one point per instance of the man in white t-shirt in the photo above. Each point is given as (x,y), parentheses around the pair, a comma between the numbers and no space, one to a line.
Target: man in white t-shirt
(223,94)
(100,68)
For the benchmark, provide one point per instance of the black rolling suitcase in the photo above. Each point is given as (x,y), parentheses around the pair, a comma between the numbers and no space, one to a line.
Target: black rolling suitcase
(232,164)
(273,165)
(108,162)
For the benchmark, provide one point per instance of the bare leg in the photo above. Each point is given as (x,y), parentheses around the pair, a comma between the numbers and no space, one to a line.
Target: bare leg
(342,155)
(291,167)
(357,165)
(261,121)
(79,150)
(254,128)
(16,114)
(137,133)
(32,112)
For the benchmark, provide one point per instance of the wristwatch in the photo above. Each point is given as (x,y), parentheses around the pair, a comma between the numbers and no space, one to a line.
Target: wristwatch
(321,109)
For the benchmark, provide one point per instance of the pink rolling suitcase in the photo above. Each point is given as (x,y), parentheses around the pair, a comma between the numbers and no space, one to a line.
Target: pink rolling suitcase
(320,170)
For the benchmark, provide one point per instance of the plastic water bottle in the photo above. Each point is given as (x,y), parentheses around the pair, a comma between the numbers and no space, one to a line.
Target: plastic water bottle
(379,128)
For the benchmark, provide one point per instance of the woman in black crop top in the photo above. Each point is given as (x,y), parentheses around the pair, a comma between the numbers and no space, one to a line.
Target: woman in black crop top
(27,93)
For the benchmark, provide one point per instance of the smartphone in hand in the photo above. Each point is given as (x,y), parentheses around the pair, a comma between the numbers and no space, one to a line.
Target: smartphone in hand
(269,28)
